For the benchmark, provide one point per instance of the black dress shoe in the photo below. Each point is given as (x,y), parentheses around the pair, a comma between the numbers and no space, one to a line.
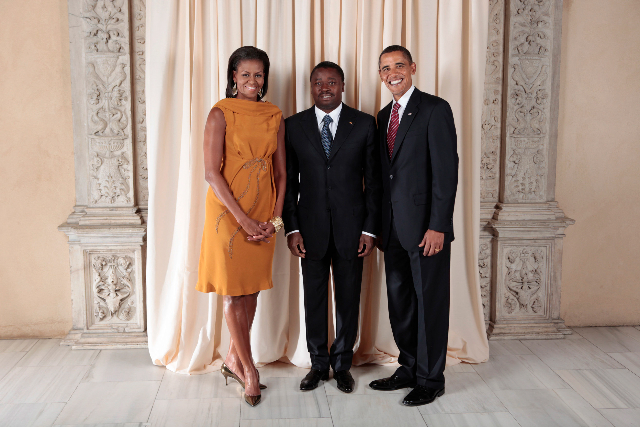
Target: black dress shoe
(345,381)
(393,382)
(313,378)
(422,395)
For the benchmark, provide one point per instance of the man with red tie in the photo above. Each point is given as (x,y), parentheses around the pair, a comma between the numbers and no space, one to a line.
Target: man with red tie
(420,177)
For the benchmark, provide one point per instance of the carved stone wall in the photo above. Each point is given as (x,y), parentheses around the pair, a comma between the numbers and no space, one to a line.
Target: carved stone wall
(106,229)
(520,256)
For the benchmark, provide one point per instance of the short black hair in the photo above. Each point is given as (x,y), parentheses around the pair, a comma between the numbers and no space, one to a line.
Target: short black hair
(396,48)
(242,54)
(328,64)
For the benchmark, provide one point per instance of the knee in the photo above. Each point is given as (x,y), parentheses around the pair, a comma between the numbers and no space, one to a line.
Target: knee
(232,301)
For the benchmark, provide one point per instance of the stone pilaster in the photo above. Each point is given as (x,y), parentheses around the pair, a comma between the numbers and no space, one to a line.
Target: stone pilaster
(106,229)
(521,244)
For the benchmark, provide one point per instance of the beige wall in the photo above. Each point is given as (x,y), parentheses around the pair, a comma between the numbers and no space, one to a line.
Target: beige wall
(598,176)
(36,175)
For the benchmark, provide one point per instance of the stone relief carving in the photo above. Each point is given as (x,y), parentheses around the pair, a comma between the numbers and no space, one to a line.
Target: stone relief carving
(492,108)
(524,280)
(140,107)
(528,106)
(108,101)
(109,172)
(484,265)
(113,287)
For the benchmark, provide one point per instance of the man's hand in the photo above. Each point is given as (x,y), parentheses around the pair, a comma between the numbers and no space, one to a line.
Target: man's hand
(296,245)
(366,245)
(432,242)
(379,243)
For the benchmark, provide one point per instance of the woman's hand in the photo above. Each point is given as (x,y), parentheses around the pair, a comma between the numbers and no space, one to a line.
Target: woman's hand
(268,227)
(253,229)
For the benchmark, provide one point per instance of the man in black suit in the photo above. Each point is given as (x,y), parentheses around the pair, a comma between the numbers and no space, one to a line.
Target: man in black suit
(420,176)
(329,218)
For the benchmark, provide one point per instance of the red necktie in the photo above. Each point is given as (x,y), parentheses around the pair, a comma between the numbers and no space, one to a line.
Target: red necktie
(393,128)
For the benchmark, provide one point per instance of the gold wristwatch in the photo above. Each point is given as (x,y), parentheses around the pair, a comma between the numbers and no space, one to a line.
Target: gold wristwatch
(277,223)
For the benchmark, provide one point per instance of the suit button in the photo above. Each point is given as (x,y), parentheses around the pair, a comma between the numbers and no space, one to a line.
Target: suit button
(328,167)
(390,176)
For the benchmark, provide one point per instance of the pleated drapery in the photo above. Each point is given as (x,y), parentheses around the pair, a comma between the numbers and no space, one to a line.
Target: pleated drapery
(188,46)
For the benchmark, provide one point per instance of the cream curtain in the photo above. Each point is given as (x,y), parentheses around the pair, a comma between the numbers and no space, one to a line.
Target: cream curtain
(188,46)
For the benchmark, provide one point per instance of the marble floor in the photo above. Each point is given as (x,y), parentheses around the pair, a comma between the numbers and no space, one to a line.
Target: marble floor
(592,378)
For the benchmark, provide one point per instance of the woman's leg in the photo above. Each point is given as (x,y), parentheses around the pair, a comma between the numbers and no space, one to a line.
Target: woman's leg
(233,360)
(235,311)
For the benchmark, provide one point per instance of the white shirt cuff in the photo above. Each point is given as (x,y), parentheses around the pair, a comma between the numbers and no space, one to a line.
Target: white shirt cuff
(291,232)
(369,234)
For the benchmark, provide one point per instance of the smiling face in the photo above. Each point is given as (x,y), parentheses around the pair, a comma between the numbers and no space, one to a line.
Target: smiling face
(249,79)
(395,72)
(326,89)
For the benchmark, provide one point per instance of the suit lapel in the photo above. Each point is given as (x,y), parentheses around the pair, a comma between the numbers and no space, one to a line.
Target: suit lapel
(385,113)
(409,114)
(310,126)
(345,125)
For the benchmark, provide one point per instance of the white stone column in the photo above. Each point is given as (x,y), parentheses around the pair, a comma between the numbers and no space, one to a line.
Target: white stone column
(106,229)
(522,226)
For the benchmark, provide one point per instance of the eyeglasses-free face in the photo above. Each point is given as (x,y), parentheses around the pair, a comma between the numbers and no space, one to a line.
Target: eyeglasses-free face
(395,72)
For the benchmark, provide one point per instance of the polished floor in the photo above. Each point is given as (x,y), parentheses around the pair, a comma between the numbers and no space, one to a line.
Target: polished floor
(592,378)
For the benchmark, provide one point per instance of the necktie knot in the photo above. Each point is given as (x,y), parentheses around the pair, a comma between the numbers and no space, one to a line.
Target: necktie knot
(327,119)
(396,107)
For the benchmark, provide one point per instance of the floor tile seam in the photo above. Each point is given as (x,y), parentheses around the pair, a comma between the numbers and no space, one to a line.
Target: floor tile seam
(606,392)
(155,399)
(582,397)
(15,365)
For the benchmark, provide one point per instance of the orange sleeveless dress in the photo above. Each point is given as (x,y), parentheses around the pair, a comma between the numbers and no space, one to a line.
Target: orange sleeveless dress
(229,263)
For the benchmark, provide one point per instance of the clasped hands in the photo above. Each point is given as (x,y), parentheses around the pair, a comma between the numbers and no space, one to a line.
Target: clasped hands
(296,245)
(257,231)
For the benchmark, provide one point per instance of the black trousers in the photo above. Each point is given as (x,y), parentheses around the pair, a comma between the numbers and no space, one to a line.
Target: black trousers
(418,293)
(347,276)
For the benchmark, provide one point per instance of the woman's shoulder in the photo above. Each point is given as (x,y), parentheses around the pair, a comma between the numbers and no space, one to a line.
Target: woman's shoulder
(249,108)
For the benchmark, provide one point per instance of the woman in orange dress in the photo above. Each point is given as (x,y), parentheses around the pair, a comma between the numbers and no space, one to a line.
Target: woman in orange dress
(245,166)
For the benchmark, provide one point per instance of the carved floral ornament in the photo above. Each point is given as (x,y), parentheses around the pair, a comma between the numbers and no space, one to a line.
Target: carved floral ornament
(113,288)
(524,279)
(484,266)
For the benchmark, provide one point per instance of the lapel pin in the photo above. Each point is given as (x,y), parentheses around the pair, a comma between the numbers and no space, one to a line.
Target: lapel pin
(408,114)
(350,123)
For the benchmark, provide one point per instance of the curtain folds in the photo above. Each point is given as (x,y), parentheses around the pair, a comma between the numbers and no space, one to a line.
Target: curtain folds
(188,46)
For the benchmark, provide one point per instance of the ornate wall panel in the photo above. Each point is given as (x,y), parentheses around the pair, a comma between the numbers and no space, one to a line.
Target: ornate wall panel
(106,231)
(531,30)
(492,108)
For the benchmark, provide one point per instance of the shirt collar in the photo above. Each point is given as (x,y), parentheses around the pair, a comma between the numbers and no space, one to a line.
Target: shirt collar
(335,114)
(405,98)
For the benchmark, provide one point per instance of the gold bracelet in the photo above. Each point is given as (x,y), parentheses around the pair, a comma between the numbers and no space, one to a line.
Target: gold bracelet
(277,223)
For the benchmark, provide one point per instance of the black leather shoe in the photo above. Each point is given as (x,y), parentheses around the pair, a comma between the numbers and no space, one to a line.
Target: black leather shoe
(422,395)
(345,381)
(393,382)
(313,378)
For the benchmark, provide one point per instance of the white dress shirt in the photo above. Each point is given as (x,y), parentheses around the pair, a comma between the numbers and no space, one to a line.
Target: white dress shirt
(333,128)
(403,104)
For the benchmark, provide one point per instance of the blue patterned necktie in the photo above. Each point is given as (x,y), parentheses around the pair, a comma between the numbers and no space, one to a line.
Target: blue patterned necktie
(327,139)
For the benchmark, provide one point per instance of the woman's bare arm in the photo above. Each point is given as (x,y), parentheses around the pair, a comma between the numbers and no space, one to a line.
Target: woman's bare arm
(214,133)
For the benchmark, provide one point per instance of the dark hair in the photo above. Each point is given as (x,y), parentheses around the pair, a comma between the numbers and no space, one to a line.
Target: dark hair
(396,48)
(328,64)
(242,54)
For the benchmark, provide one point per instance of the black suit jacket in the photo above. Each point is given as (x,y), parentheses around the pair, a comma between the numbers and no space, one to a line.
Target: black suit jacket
(421,178)
(322,192)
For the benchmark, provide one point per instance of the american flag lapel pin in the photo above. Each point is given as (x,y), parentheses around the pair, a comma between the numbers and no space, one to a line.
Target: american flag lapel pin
(408,114)
(350,123)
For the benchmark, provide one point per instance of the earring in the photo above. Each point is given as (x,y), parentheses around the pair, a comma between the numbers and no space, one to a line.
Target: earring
(260,93)
(234,90)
